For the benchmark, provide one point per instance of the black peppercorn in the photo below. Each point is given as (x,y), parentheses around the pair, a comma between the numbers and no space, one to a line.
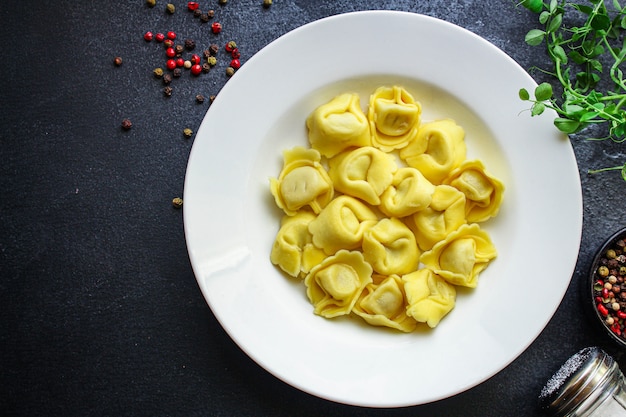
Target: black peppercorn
(117,61)
(199,98)
(190,44)
(179,49)
(211,13)
(167,78)
(204,18)
(197,13)
(177,72)
(213,49)
(206,67)
(167,91)
(126,124)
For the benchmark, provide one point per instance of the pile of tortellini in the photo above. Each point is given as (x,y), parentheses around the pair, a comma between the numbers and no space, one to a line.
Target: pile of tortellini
(382,212)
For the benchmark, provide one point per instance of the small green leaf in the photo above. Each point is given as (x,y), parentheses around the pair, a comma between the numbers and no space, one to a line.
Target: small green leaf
(601,22)
(566,125)
(537,109)
(534,37)
(559,53)
(543,17)
(590,115)
(555,23)
(543,92)
(523,94)
(553,6)
(533,5)
(577,57)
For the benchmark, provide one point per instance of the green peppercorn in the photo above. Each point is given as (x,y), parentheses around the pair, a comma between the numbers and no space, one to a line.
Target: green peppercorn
(230,71)
(158,72)
(223,2)
(212,61)
(177,202)
(187,132)
(603,271)
(170,8)
(611,254)
(267,3)
(622,270)
(151,3)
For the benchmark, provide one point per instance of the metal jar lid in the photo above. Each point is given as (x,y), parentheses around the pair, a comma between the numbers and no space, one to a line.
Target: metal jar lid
(581,384)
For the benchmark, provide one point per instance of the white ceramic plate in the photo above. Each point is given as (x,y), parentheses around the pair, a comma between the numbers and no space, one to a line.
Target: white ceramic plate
(231,220)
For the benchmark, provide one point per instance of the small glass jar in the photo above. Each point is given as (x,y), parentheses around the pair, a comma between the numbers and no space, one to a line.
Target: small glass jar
(589,384)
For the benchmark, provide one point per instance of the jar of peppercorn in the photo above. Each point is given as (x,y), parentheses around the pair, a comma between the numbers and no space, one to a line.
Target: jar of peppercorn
(606,288)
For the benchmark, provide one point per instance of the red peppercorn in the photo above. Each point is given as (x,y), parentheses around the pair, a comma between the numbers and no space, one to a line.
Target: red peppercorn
(171,64)
(216,27)
(171,35)
(170,52)
(196,69)
(148,36)
(230,46)
(168,43)
(605,293)
(192,5)
(235,53)
(159,37)
(602,310)
(180,62)
(235,63)
(195,59)
(621,315)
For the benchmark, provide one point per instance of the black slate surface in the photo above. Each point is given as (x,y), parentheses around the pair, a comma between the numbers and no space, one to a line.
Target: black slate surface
(100,313)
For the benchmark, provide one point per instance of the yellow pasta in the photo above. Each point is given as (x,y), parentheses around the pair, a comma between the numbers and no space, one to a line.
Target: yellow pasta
(429,297)
(438,148)
(461,256)
(293,250)
(302,182)
(341,224)
(382,211)
(483,192)
(384,304)
(338,125)
(363,173)
(394,117)
(334,286)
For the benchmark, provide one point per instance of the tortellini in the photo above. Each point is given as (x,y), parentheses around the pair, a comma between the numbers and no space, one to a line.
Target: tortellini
(408,193)
(445,214)
(293,250)
(390,247)
(336,283)
(438,148)
(341,224)
(394,117)
(461,256)
(483,191)
(363,173)
(303,181)
(381,213)
(429,297)
(384,304)
(338,125)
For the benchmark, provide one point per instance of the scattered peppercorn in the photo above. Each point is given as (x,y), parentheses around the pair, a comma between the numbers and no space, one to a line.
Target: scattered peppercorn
(126,124)
(199,98)
(177,72)
(187,64)
(167,79)
(148,36)
(151,3)
(170,52)
(117,61)
(213,49)
(197,13)
(212,61)
(235,53)
(230,45)
(190,44)
(230,71)
(180,62)
(159,37)
(211,99)
(177,202)
(192,5)
(170,8)
(171,64)
(179,49)
(267,3)
(187,132)
(222,2)
(195,59)
(211,13)
(168,43)
(204,17)
(158,72)
(206,67)
(235,63)
(167,91)
(216,27)
(171,35)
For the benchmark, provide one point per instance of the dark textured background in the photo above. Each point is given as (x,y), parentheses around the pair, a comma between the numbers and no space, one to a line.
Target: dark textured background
(100,313)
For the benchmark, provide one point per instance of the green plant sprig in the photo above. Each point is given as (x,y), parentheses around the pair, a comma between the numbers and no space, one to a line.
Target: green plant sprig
(580,53)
